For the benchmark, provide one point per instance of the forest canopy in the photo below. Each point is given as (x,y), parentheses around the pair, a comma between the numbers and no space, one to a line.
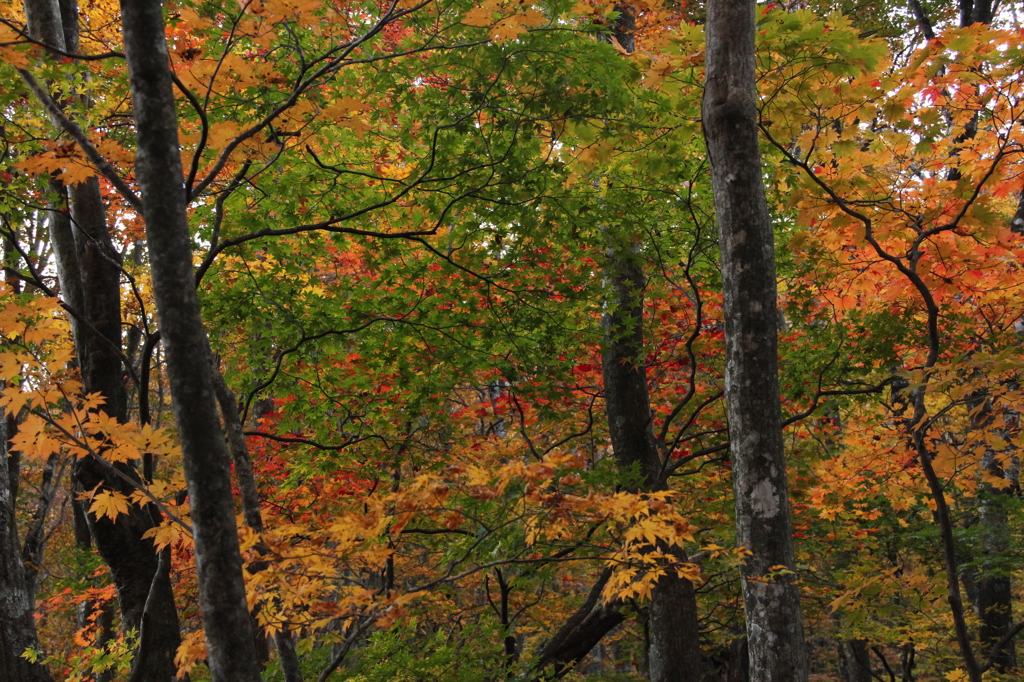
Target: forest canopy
(417,340)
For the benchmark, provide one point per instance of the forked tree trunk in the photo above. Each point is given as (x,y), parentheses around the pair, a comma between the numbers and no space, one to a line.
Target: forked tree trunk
(231,653)
(770,594)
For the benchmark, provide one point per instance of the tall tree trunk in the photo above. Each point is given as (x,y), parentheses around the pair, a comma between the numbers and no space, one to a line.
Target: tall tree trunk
(987,584)
(771,597)
(673,628)
(231,653)
(89,274)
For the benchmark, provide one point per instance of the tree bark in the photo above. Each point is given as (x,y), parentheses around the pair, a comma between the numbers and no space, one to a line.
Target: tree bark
(283,642)
(34,544)
(18,631)
(771,597)
(854,660)
(674,631)
(995,591)
(89,272)
(231,653)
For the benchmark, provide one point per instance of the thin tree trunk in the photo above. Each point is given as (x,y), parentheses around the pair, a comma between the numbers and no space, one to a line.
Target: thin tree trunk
(35,536)
(771,597)
(231,654)
(283,641)
(738,669)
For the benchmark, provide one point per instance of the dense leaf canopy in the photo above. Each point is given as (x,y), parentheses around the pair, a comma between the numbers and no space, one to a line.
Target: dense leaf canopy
(408,222)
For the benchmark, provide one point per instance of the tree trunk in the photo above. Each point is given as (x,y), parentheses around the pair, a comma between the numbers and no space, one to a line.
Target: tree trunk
(995,592)
(34,544)
(673,628)
(738,668)
(89,274)
(854,660)
(18,631)
(231,653)
(283,641)
(771,597)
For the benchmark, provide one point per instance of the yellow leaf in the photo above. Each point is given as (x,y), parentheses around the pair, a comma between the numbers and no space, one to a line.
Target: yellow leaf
(191,651)
(532,17)
(222,133)
(346,105)
(14,400)
(507,29)
(15,58)
(75,173)
(167,533)
(478,16)
(358,126)
(109,503)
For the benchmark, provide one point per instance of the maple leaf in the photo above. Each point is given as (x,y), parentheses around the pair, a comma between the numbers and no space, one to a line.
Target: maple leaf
(167,533)
(15,399)
(75,173)
(507,29)
(109,503)
(222,133)
(191,651)
(356,125)
(18,58)
(479,16)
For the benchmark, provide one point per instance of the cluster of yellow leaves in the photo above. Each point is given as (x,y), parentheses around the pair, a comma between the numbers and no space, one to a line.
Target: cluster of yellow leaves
(9,51)
(652,527)
(191,651)
(66,161)
(34,339)
(305,577)
(871,588)
(39,384)
(505,20)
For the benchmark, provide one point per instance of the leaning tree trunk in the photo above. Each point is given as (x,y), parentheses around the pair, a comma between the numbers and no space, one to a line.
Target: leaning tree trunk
(231,653)
(674,631)
(89,275)
(770,594)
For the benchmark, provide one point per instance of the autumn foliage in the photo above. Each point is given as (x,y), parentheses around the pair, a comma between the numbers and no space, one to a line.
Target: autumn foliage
(403,217)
